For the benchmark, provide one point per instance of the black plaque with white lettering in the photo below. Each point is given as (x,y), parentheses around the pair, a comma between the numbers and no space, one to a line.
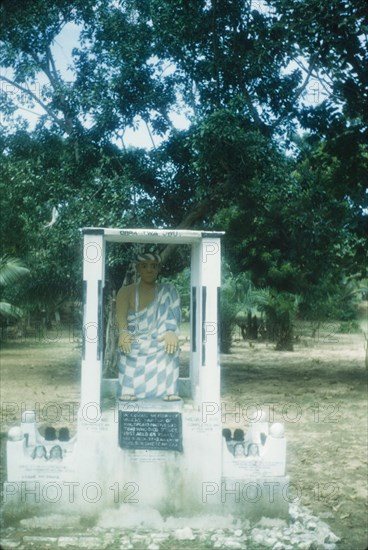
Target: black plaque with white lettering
(154,431)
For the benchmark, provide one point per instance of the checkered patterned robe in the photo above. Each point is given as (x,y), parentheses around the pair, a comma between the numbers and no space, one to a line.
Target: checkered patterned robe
(148,371)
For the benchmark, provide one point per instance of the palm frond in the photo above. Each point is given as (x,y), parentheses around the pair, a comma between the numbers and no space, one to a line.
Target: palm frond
(11,270)
(10,311)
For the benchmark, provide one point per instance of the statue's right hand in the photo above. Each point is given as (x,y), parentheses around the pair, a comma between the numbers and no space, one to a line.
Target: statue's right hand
(125,342)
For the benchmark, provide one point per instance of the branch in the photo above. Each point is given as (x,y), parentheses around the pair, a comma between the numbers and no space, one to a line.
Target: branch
(47,66)
(165,116)
(35,98)
(190,97)
(150,134)
(298,93)
(195,215)
(253,111)
(324,83)
(215,52)
(301,89)
(51,70)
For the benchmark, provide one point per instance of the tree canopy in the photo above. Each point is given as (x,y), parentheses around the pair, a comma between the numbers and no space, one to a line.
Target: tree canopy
(274,148)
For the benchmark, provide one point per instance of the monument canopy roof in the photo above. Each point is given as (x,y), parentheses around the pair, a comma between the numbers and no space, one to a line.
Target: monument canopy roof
(166,236)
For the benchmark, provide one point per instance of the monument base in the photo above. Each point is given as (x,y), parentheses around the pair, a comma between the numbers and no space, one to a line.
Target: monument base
(163,455)
(256,498)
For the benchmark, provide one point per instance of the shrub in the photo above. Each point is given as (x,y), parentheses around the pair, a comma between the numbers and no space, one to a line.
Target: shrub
(280,309)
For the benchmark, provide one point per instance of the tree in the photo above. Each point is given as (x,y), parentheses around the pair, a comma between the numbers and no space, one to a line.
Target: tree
(245,74)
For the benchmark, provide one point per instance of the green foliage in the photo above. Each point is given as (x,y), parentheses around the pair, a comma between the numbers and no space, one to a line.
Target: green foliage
(11,272)
(334,300)
(227,315)
(243,304)
(349,327)
(226,322)
(237,294)
(294,207)
(280,310)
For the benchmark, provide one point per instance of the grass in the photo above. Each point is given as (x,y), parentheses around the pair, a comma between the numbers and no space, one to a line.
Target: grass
(319,392)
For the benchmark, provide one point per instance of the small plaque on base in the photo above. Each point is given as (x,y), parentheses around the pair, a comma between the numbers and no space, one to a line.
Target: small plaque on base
(154,431)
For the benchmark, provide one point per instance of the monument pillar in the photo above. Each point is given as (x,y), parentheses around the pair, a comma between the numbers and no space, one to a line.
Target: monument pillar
(92,344)
(209,368)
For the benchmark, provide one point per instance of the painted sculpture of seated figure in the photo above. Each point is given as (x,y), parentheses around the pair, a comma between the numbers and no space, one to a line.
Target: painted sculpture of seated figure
(148,317)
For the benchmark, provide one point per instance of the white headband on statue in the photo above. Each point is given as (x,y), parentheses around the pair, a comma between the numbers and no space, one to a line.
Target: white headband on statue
(148,257)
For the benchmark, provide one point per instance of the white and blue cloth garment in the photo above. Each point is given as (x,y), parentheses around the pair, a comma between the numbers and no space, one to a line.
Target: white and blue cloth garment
(148,371)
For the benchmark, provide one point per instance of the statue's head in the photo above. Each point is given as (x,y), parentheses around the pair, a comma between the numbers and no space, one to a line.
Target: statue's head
(148,265)
(148,257)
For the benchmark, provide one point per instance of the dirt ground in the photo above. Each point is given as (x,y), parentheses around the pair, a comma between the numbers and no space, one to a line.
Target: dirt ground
(318,391)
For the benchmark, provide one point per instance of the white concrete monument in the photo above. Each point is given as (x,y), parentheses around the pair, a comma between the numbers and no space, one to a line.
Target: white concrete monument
(168,455)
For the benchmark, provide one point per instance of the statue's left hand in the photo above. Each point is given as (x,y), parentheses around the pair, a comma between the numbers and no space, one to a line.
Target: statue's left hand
(171,342)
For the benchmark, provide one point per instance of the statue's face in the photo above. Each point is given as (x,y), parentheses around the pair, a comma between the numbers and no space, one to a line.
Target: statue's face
(40,452)
(148,270)
(253,450)
(239,450)
(55,452)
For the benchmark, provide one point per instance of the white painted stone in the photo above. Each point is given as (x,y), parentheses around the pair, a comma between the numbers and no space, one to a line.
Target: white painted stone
(332,538)
(290,538)
(159,537)
(269,542)
(277,430)
(271,523)
(53,521)
(8,544)
(305,545)
(15,434)
(235,544)
(127,544)
(297,527)
(64,542)
(90,542)
(294,512)
(136,538)
(258,536)
(108,538)
(184,534)
(44,540)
